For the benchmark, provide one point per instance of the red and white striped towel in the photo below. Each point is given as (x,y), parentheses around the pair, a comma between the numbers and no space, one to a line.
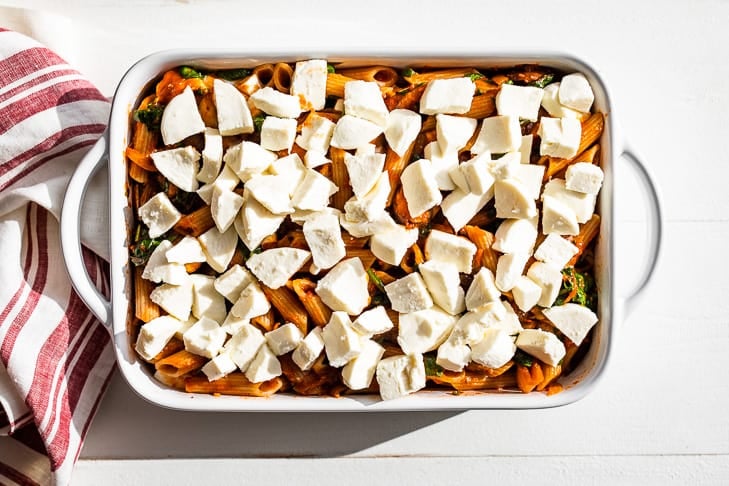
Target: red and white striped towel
(56,357)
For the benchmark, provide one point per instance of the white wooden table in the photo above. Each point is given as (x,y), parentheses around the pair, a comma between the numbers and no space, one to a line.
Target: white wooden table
(660,416)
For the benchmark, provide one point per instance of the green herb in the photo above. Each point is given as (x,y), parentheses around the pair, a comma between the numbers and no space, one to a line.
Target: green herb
(379,299)
(543,81)
(376,280)
(475,76)
(580,285)
(431,367)
(258,122)
(407,72)
(143,246)
(520,357)
(403,91)
(233,74)
(150,116)
(508,81)
(187,72)
(330,69)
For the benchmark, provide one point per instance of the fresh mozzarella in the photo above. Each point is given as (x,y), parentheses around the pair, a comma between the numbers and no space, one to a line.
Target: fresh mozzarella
(444,285)
(519,101)
(373,321)
(449,248)
(443,163)
(275,103)
(352,132)
(284,339)
(176,300)
(391,245)
(453,355)
(234,116)
(314,158)
(575,92)
(309,349)
(301,216)
(549,278)
(313,192)
(248,159)
(309,83)
(243,346)
(363,99)
(255,222)
(324,239)
(266,189)
(558,217)
(212,156)
(582,204)
(249,85)
(508,268)
(420,187)
(218,247)
(516,236)
(159,214)
(187,250)
(204,338)
(276,266)
(181,118)
(498,135)
(206,301)
(482,290)
(409,294)
(370,206)
(550,102)
(447,96)
(560,137)
(224,207)
(265,366)
(232,282)
(180,166)
(398,376)
(584,177)
(278,133)
(424,330)
(154,336)
(526,293)
(292,171)
(382,223)
(513,200)
(159,269)
(251,302)
(543,345)
(495,349)
(341,342)
(227,179)
(364,171)
(574,320)
(460,206)
(556,251)
(316,134)
(358,373)
(344,288)
(504,167)
(403,126)
(470,327)
(477,175)
(366,149)
(525,149)
(218,367)
(453,132)
(531,177)
(232,323)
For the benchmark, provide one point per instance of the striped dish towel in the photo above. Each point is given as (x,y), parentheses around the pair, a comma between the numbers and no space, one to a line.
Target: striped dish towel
(56,358)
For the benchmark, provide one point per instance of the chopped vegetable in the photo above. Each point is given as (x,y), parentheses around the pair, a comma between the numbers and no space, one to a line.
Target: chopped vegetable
(187,72)
(577,288)
(520,357)
(407,72)
(475,76)
(330,69)
(258,122)
(431,367)
(143,246)
(376,280)
(543,81)
(150,116)
(233,74)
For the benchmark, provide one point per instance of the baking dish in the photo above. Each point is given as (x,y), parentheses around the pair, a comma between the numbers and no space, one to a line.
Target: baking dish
(115,314)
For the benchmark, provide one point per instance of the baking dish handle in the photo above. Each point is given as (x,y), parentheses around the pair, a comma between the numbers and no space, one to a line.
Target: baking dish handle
(655,227)
(71,231)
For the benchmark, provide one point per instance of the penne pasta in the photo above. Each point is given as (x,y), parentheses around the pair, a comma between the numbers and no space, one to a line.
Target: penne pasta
(482,106)
(233,384)
(317,310)
(282,75)
(144,309)
(340,177)
(587,234)
(172,347)
(335,84)
(264,73)
(382,75)
(196,223)
(289,306)
(180,363)
(426,77)
(483,241)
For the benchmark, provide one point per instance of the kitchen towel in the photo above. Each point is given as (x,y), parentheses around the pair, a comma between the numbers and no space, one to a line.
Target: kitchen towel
(56,358)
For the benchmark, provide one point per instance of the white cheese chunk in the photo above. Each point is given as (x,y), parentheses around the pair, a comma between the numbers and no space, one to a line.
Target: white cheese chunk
(265,366)
(420,187)
(558,217)
(276,103)
(575,92)
(218,247)
(482,290)
(543,345)
(373,321)
(508,268)
(556,251)
(459,207)
(443,163)
(158,269)
(495,349)
(176,300)
(363,99)
(204,338)
(516,236)
(510,322)
(255,222)
(582,204)
(477,175)
(278,133)
(224,207)
(309,349)
(382,223)
(180,166)
(550,102)
(358,373)
(316,133)
(453,132)
(371,205)
(309,83)
(227,179)
(574,320)
(447,96)
(513,200)
(458,178)
(519,101)
(498,135)
(526,293)
(453,355)
(525,149)
(234,116)
(276,266)
(212,156)
(364,171)
(560,137)
(218,367)
(243,346)
(584,177)
(344,288)
(314,158)
(266,189)
(187,250)
(184,326)
(159,214)
(366,149)
(206,301)
(324,238)
(301,216)
(251,303)
(401,375)
(390,246)
(449,248)
(248,159)
(313,192)
(409,294)
(352,132)
(232,323)
(530,177)
(424,330)
(444,285)
(232,282)
(341,342)
(284,339)
(181,118)
(403,126)
(291,170)
(549,279)
(249,85)
(154,336)
(504,167)
(469,329)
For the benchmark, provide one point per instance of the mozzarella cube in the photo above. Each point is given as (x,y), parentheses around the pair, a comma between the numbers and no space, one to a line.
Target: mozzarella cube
(344,288)
(251,303)
(284,339)
(530,177)
(184,326)
(366,149)
(363,99)
(525,149)
(176,300)
(212,156)
(227,180)
(218,247)
(324,238)
(371,205)
(574,320)
(447,96)
(309,349)
(159,214)
(187,250)
(248,159)
(373,321)
(401,375)
(206,301)
(584,177)
(233,324)
(519,101)
(549,278)
(154,336)
(180,166)
(558,217)
(232,282)
(159,269)
(243,346)
(505,166)
(403,126)
(420,187)
(364,171)
(224,207)
(556,251)
(510,320)
(316,133)
(508,269)
(453,132)
(204,338)
(444,285)
(266,189)
(526,293)
(459,207)
(341,342)
(453,355)
(278,133)
(276,266)
(424,330)
(358,373)
(352,132)
(498,135)
(275,103)
(471,326)
(234,116)
(443,163)
(292,171)
(408,294)
(550,102)
(314,158)
(516,236)
(265,366)
(582,204)
(255,222)
(445,247)
(476,174)
(390,246)
(181,118)
(249,85)
(314,192)
(513,200)
(575,92)
(301,216)
(482,290)
(382,223)
(543,345)
(560,137)
(309,83)
(495,349)
(218,367)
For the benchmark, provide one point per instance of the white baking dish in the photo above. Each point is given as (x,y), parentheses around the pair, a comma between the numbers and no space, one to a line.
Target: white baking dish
(115,313)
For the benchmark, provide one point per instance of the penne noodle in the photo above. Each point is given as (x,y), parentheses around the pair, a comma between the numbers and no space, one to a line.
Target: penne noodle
(465,380)
(144,309)
(264,73)
(382,75)
(172,347)
(319,313)
(482,106)
(266,322)
(180,363)
(233,384)
(340,177)
(289,306)
(208,111)
(136,172)
(528,378)
(587,234)
(394,165)
(195,223)
(417,78)
(335,84)
(366,256)
(483,241)
(406,99)
(293,239)
(249,85)
(282,76)
(550,374)
(413,257)
(175,382)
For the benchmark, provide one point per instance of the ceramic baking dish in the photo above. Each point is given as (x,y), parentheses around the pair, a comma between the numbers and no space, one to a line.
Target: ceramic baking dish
(115,314)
